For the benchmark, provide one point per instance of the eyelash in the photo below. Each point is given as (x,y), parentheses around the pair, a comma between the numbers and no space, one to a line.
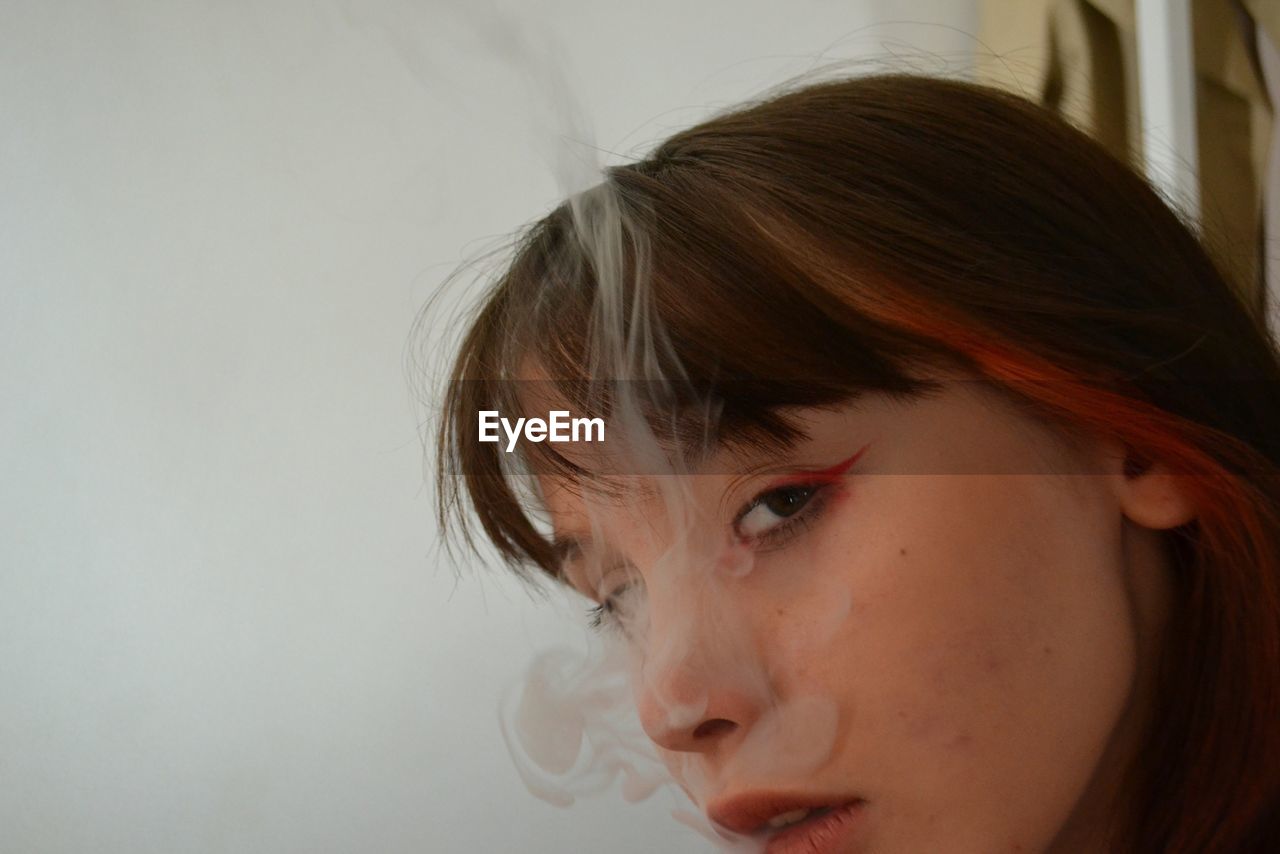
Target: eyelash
(601,616)
(596,616)
(792,525)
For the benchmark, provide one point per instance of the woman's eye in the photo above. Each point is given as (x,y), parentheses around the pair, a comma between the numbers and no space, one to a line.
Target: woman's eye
(772,511)
(615,609)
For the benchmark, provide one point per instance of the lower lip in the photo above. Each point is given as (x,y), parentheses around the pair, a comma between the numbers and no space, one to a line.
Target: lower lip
(827,834)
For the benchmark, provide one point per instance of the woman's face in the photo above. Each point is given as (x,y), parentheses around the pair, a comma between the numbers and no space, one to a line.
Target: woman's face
(943,637)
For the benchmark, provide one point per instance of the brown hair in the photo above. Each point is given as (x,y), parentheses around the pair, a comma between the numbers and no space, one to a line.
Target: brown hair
(843,230)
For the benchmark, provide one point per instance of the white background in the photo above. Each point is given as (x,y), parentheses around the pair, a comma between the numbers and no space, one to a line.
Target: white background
(224,625)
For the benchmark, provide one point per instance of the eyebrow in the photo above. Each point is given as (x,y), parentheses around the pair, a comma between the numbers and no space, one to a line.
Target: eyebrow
(565,546)
(750,441)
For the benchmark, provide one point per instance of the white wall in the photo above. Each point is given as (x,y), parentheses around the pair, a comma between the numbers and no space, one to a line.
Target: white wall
(223,626)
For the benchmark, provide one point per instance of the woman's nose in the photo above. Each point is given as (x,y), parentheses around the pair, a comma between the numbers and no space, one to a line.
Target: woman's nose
(688,704)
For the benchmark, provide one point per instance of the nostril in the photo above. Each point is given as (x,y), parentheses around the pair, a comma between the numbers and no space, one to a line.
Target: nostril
(714,727)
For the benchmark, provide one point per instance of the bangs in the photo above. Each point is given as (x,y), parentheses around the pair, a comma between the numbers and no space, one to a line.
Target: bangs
(632,306)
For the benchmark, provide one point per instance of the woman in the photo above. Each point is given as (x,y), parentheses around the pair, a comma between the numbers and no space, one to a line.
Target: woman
(937,507)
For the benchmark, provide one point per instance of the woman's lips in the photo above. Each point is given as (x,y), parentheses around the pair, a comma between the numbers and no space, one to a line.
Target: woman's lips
(829,833)
(827,830)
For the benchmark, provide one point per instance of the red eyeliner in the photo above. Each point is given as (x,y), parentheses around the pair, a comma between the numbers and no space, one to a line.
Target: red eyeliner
(828,478)
(827,475)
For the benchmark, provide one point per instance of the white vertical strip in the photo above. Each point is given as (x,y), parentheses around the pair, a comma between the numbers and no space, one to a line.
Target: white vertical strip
(1166,76)
(1269,56)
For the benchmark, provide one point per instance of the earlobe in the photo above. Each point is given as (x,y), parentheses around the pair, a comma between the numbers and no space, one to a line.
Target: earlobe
(1153,497)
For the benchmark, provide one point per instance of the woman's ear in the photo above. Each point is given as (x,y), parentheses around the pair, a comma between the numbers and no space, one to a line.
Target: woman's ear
(1150,495)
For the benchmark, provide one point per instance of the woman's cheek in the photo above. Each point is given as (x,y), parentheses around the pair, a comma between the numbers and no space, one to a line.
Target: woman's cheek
(805,593)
